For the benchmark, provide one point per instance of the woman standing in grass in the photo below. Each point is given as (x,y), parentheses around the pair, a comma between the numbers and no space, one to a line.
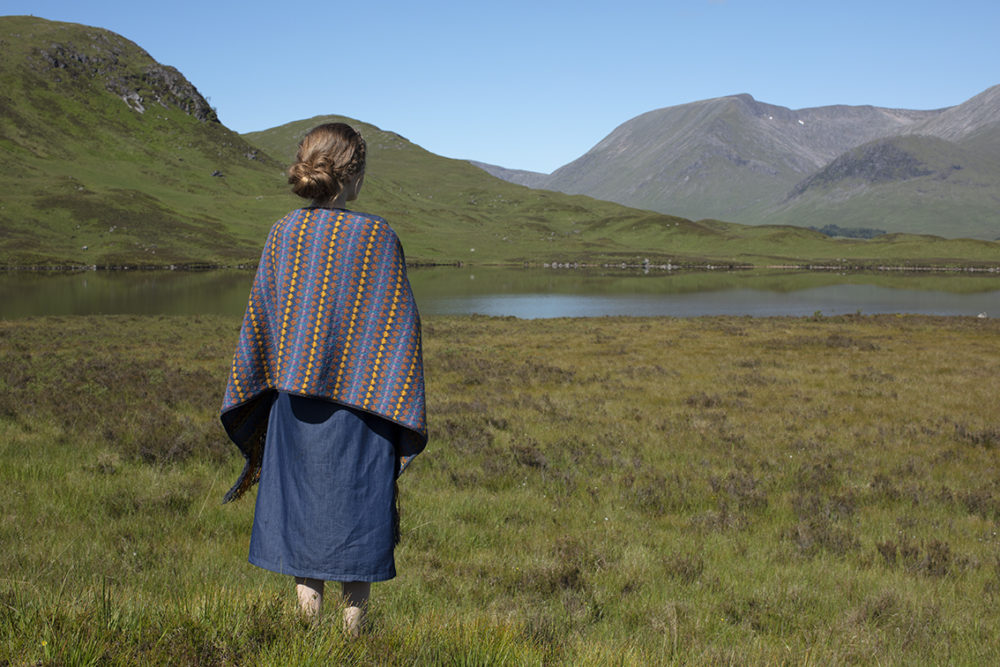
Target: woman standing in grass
(326,398)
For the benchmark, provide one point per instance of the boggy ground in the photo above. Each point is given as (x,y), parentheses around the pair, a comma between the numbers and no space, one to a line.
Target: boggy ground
(700,491)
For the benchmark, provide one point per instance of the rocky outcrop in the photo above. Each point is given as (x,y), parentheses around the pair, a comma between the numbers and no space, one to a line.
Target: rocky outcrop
(118,64)
(877,162)
(168,87)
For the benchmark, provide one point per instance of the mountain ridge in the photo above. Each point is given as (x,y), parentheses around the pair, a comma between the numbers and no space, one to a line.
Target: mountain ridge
(739,159)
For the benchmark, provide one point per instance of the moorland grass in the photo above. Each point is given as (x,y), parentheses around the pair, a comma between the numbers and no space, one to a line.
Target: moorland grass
(615,490)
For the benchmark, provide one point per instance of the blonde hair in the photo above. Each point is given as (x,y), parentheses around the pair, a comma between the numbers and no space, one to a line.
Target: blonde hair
(329,156)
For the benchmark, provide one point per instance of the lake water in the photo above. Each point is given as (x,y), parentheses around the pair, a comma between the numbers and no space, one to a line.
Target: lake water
(529,293)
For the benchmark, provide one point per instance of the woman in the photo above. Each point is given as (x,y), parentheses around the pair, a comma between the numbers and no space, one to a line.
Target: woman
(326,398)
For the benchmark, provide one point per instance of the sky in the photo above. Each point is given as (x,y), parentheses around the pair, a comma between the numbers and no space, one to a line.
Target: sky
(535,84)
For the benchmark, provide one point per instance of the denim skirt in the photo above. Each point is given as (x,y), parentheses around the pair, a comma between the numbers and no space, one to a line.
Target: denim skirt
(326,506)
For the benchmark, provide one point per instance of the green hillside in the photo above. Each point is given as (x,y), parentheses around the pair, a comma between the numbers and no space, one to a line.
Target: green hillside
(448,210)
(912,183)
(109,158)
(445,209)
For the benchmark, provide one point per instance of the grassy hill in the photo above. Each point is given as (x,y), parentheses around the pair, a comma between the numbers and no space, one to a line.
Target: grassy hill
(109,158)
(446,209)
(916,183)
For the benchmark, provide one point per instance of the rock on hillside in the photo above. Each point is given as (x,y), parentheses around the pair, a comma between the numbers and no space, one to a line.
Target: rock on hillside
(107,59)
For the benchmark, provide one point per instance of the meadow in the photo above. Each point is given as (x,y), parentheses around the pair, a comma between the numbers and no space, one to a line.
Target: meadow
(596,491)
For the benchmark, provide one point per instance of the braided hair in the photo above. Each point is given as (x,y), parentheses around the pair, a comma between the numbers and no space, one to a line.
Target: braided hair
(328,157)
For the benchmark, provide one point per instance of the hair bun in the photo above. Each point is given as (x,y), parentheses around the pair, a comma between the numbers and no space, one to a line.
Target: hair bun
(312,181)
(328,157)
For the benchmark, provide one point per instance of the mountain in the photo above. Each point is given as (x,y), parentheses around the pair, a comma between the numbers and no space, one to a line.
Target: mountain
(108,158)
(969,123)
(917,183)
(447,210)
(738,159)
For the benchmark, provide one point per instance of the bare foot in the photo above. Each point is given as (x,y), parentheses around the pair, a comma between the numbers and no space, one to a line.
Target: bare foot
(310,594)
(354,620)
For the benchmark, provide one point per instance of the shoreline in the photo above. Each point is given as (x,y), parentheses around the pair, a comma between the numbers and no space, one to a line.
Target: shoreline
(645,267)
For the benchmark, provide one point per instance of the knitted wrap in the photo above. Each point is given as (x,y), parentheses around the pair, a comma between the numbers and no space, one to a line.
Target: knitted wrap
(331,315)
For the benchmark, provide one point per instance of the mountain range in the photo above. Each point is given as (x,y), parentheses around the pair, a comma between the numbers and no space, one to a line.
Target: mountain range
(737,159)
(110,159)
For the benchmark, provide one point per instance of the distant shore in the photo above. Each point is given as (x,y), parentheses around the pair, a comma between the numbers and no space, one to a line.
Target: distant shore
(851,267)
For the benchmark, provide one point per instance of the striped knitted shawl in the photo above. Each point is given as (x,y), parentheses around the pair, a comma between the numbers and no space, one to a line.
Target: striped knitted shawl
(331,315)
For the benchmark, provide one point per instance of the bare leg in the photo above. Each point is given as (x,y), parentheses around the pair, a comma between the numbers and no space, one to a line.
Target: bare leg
(310,592)
(356,602)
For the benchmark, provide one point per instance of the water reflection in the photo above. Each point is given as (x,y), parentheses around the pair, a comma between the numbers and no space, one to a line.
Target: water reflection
(528,293)
(25,293)
(833,300)
(536,293)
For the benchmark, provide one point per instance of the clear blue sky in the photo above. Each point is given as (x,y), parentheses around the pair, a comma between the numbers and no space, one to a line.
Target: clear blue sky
(534,84)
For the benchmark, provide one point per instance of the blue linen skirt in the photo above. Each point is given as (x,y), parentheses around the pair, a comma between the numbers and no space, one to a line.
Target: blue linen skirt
(326,497)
